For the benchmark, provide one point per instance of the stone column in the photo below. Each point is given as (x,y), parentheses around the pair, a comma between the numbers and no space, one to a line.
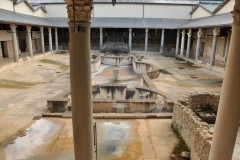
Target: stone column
(80,78)
(130,39)
(214,44)
(29,37)
(15,43)
(42,39)
(182,42)
(199,34)
(56,38)
(227,46)
(188,43)
(101,37)
(50,39)
(228,116)
(116,74)
(177,42)
(146,40)
(162,41)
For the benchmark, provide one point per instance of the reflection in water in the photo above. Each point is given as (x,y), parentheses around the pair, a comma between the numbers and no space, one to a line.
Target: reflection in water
(38,134)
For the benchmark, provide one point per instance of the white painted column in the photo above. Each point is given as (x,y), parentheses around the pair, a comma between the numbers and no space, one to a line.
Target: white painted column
(188,43)
(182,42)
(214,44)
(162,41)
(177,42)
(56,38)
(80,78)
(146,40)
(42,39)
(199,34)
(130,39)
(228,116)
(50,39)
(227,46)
(29,40)
(101,37)
(15,43)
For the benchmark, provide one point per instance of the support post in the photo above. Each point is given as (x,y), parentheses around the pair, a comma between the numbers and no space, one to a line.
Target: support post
(177,42)
(15,43)
(50,39)
(228,116)
(29,37)
(101,37)
(199,34)
(42,40)
(182,42)
(227,46)
(162,41)
(130,39)
(146,40)
(188,43)
(214,44)
(80,77)
(56,38)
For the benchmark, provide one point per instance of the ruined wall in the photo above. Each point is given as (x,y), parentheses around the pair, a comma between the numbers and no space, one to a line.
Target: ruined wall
(116,60)
(194,131)
(95,63)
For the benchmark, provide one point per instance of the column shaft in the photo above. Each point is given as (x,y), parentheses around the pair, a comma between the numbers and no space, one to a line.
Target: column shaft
(15,43)
(228,116)
(146,40)
(188,43)
(162,41)
(214,44)
(177,42)
(182,42)
(50,39)
(29,37)
(130,39)
(42,39)
(56,39)
(199,34)
(101,37)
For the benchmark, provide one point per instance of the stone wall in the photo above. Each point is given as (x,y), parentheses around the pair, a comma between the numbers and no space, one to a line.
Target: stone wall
(194,131)
(116,60)
(95,63)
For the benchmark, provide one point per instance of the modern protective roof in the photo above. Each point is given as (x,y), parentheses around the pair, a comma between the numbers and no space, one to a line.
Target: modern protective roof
(126,22)
(18,18)
(208,6)
(131,1)
(213,21)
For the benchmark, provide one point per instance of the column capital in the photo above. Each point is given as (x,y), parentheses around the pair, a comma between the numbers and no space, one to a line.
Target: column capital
(146,30)
(101,29)
(82,11)
(13,27)
(215,32)
(183,32)
(28,28)
(130,29)
(199,33)
(55,29)
(49,29)
(41,29)
(189,33)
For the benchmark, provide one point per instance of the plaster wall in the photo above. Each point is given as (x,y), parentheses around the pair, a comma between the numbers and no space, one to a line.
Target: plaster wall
(39,13)
(23,8)
(227,7)
(5,35)
(200,12)
(51,10)
(6,4)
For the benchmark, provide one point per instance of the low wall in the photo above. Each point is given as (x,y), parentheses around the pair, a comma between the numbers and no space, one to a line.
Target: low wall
(194,131)
(95,63)
(116,60)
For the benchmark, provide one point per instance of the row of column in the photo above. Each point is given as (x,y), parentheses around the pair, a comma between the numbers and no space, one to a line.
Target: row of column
(197,52)
(146,39)
(29,40)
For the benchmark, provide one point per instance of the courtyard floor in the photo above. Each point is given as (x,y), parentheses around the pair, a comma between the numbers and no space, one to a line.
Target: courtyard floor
(26,88)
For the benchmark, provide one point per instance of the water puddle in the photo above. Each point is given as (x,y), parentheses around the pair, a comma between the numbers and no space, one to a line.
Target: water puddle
(39,134)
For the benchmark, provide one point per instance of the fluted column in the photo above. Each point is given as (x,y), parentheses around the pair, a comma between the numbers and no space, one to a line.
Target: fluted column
(130,38)
(56,38)
(101,37)
(50,39)
(182,42)
(146,40)
(162,41)
(80,77)
(29,37)
(15,43)
(199,34)
(189,34)
(177,42)
(42,39)
(228,116)
(227,46)
(214,44)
